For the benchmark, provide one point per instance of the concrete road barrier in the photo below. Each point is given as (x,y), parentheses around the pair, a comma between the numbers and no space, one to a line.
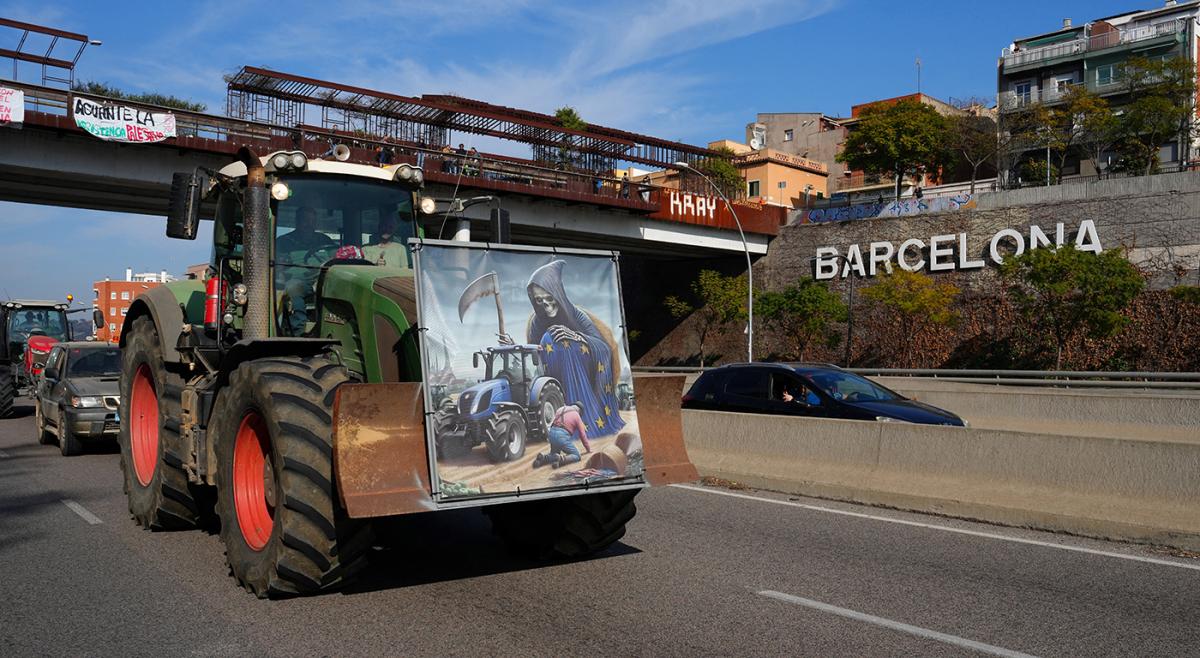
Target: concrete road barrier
(1139,490)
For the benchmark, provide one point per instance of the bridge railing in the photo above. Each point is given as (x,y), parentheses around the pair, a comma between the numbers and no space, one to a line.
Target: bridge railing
(223,134)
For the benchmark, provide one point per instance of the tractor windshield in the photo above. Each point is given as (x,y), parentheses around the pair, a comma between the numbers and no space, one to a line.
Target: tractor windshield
(22,323)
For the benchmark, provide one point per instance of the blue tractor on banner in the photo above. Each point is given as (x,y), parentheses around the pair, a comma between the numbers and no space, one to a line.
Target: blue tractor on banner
(513,404)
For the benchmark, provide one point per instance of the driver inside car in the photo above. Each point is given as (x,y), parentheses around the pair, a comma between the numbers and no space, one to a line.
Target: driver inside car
(307,249)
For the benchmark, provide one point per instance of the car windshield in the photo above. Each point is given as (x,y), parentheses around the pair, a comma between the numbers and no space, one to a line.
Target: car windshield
(850,387)
(103,362)
(22,323)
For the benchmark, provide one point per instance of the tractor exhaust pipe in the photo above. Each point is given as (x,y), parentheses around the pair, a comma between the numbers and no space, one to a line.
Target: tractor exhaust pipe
(256,270)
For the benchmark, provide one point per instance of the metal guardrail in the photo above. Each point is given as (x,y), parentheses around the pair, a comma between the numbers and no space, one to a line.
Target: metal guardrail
(1045,378)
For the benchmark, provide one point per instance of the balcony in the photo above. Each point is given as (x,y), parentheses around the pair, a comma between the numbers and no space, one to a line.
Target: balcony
(1010,101)
(1142,36)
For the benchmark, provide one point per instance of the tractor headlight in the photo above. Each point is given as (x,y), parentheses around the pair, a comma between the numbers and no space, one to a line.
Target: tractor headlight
(428,205)
(240,294)
(86,401)
(405,173)
(418,176)
(280,161)
(280,191)
(299,160)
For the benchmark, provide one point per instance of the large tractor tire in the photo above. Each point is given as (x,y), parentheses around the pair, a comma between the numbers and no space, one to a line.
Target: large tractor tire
(283,528)
(510,435)
(8,391)
(571,527)
(152,452)
(550,399)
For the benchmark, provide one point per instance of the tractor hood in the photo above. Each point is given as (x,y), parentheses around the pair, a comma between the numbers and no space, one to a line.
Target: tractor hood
(475,402)
(41,345)
(371,311)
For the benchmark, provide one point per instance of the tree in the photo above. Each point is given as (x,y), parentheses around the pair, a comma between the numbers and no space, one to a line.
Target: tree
(900,138)
(975,140)
(722,172)
(569,119)
(105,89)
(1064,292)
(804,313)
(1163,108)
(717,300)
(918,302)
(1062,127)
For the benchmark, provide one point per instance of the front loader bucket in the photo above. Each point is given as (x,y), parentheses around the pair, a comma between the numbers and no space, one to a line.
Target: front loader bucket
(381,461)
(379,456)
(658,411)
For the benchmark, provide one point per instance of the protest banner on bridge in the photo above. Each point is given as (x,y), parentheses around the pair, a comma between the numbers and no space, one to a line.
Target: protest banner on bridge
(119,123)
(12,106)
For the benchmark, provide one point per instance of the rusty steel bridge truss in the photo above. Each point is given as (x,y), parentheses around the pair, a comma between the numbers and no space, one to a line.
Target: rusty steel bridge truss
(283,99)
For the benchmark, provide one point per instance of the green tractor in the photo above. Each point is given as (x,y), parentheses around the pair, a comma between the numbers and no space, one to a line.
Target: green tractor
(281,395)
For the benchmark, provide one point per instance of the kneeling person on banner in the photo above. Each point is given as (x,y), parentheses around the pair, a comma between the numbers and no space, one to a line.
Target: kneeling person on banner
(561,434)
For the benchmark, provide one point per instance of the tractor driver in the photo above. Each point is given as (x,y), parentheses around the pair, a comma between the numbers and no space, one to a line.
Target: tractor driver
(384,252)
(308,249)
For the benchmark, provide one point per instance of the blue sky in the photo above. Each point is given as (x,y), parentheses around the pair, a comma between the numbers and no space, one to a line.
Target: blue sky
(691,71)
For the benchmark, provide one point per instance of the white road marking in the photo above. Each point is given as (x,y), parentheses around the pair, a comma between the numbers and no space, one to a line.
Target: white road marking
(934,526)
(92,519)
(895,625)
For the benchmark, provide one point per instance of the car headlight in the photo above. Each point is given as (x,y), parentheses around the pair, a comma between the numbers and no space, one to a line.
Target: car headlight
(966,423)
(87,401)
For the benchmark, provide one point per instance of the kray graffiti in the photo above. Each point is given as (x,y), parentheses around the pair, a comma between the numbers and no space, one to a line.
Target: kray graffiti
(901,208)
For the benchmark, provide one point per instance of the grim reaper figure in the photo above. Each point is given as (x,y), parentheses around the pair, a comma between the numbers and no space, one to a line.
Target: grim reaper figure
(578,350)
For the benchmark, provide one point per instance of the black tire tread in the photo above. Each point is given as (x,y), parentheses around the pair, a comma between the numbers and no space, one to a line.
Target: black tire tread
(572,527)
(314,547)
(171,503)
(8,390)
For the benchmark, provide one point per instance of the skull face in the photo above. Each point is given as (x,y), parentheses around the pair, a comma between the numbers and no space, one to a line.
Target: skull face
(544,302)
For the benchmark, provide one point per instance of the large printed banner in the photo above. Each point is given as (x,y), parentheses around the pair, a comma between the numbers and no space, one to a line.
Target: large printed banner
(118,123)
(526,368)
(12,106)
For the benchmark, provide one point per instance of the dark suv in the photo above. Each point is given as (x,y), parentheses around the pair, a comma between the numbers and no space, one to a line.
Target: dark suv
(804,389)
(78,395)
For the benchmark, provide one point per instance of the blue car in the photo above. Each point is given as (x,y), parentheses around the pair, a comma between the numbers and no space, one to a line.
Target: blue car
(813,390)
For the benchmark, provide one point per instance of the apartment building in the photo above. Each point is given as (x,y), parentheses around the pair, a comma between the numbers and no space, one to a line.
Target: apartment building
(114,297)
(1041,69)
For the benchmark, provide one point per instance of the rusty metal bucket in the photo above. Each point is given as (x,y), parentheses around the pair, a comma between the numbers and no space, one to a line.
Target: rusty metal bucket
(381,462)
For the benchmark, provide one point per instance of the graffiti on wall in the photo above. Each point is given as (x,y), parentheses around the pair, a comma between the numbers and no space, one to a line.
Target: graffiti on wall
(901,208)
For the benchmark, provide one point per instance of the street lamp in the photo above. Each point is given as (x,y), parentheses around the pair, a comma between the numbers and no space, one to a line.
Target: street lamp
(749,266)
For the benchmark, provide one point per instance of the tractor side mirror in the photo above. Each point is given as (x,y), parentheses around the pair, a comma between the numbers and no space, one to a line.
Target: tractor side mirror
(475,360)
(50,373)
(183,210)
(97,318)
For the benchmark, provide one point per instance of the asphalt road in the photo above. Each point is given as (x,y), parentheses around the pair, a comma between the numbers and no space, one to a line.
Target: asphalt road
(700,572)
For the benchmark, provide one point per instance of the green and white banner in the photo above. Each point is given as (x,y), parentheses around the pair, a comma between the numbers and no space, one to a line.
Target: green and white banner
(119,123)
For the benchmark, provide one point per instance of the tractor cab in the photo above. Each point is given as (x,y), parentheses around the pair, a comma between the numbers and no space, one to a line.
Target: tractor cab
(29,329)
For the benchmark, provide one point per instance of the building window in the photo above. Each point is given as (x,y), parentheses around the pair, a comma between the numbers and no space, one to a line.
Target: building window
(125,294)
(1061,85)
(112,327)
(112,310)
(112,295)
(1023,91)
(752,188)
(124,312)
(787,135)
(1107,75)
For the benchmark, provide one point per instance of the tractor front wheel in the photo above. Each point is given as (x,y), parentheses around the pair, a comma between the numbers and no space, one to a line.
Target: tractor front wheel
(569,527)
(8,391)
(281,523)
(510,438)
(152,452)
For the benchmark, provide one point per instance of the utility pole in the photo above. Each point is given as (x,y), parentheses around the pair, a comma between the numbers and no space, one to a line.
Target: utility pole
(918,75)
